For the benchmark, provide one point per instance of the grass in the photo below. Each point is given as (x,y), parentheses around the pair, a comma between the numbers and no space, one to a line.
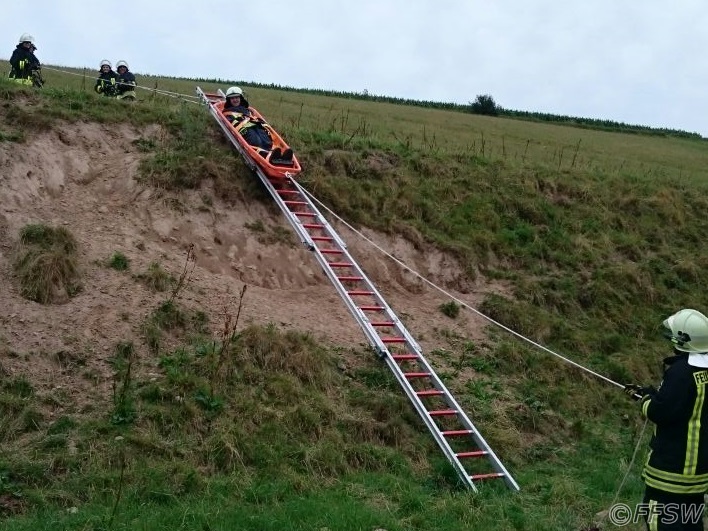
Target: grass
(119,261)
(296,444)
(593,237)
(450,308)
(156,278)
(46,263)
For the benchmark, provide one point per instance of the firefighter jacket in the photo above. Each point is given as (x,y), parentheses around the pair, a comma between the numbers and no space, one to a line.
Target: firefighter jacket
(106,83)
(678,456)
(22,63)
(238,113)
(126,82)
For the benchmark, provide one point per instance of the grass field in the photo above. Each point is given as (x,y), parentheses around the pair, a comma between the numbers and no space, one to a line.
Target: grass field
(600,236)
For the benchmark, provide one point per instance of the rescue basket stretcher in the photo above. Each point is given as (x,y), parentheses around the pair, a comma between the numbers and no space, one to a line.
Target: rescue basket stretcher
(272,168)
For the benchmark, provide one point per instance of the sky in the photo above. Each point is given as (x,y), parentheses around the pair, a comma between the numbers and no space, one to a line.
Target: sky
(642,62)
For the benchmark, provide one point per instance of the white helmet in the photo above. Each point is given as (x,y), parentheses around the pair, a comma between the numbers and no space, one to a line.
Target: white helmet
(121,63)
(105,62)
(233,91)
(689,331)
(26,37)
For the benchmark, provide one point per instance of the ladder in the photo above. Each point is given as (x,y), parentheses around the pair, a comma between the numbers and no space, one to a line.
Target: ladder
(453,431)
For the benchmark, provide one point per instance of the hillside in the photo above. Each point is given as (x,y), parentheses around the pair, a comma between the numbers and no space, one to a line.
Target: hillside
(118,401)
(83,177)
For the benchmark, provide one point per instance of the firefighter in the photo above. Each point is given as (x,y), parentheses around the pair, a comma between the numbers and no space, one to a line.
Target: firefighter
(126,81)
(237,112)
(25,67)
(107,80)
(676,471)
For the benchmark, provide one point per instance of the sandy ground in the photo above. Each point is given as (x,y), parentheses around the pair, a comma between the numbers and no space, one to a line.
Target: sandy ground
(82,177)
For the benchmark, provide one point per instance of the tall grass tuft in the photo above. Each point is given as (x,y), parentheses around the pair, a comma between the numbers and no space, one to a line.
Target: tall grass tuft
(47,264)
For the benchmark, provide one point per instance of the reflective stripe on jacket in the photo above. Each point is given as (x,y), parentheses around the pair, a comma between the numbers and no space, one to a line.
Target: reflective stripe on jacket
(678,459)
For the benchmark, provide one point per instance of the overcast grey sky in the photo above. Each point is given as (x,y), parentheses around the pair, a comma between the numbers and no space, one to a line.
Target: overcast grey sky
(637,61)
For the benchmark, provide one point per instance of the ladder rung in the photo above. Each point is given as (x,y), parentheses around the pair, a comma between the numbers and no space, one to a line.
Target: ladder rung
(306,214)
(416,374)
(360,292)
(383,323)
(291,202)
(330,251)
(456,433)
(476,453)
(313,226)
(322,238)
(288,191)
(393,339)
(340,264)
(404,357)
(442,412)
(430,392)
(372,308)
(479,477)
(350,279)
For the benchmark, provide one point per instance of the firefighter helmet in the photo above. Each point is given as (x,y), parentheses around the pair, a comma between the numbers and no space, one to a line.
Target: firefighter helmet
(26,37)
(233,92)
(122,63)
(105,62)
(689,331)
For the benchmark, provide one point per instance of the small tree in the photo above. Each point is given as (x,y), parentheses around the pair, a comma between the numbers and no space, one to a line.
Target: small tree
(485,104)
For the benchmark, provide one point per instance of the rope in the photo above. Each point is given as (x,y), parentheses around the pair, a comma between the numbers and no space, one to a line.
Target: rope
(631,462)
(168,93)
(399,262)
(460,302)
(506,328)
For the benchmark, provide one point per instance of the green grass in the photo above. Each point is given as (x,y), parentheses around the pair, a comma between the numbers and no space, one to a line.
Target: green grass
(593,238)
(156,278)
(298,445)
(46,263)
(119,261)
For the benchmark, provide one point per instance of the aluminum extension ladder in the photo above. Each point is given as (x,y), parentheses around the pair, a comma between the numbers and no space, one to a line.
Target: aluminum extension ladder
(454,432)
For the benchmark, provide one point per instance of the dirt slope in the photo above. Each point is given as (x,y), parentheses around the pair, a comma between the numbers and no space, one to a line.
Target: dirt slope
(82,176)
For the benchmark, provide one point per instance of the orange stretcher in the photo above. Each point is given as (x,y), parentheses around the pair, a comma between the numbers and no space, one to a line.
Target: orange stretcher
(273,168)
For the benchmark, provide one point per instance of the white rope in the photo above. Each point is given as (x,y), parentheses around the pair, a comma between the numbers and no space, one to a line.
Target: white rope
(399,262)
(448,294)
(171,94)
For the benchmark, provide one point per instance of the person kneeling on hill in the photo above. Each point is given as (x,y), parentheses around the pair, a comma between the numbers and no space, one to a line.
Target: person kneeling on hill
(25,67)
(676,471)
(107,80)
(126,81)
(251,128)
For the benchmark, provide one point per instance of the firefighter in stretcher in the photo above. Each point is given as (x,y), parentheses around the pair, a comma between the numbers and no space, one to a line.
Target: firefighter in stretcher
(237,112)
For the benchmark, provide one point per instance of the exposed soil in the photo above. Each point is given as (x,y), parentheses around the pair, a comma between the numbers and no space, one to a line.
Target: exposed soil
(83,177)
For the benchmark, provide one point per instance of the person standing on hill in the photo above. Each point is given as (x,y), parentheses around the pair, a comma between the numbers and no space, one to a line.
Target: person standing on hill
(107,80)
(24,64)
(676,471)
(126,81)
